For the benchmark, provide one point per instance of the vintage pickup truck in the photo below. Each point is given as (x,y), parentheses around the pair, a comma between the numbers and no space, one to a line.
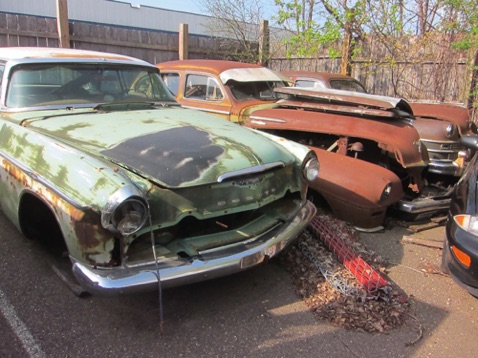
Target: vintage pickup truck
(374,161)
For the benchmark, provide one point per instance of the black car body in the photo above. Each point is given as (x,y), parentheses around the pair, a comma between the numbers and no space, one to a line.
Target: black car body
(460,252)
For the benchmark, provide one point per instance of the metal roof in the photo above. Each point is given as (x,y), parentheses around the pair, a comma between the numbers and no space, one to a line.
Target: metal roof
(17,53)
(116,13)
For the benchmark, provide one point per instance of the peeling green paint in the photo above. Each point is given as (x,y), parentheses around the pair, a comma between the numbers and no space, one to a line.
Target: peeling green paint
(77,161)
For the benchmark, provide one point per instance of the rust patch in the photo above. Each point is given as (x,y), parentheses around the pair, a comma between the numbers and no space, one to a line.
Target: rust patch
(88,230)
(16,174)
(326,107)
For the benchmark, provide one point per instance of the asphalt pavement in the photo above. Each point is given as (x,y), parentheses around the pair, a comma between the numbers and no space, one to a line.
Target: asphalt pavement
(252,314)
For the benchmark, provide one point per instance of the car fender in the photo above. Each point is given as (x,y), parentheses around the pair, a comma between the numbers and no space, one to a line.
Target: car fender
(354,189)
(30,163)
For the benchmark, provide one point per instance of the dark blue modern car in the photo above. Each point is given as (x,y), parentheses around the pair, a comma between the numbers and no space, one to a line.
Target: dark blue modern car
(460,252)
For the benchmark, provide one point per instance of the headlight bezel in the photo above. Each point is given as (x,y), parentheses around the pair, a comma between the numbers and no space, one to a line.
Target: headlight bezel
(451,131)
(386,192)
(125,204)
(310,167)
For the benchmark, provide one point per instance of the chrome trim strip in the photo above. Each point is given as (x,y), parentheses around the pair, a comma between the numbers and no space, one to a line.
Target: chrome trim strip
(265,119)
(44,182)
(252,170)
(66,107)
(442,151)
(441,141)
(120,280)
(206,110)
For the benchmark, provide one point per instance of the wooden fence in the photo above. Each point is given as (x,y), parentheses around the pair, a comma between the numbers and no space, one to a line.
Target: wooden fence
(435,79)
(149,45)
(414,68)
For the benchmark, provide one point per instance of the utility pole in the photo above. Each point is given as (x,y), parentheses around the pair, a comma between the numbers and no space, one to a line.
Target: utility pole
(62,23)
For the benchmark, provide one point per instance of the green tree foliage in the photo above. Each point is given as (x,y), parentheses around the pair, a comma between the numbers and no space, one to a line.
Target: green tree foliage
(318,24)
(463,19)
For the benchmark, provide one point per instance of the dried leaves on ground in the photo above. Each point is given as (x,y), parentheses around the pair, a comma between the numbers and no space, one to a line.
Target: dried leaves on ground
(340,299)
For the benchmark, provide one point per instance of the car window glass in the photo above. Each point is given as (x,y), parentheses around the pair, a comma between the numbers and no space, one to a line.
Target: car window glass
(213,90)
(195,87)
(261,90)
(202,88)
(347,85)
(171,80)
(307,83)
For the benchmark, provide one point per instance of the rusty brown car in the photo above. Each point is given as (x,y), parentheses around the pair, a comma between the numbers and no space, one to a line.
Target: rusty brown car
(231,90)
(364,173)
(440,125)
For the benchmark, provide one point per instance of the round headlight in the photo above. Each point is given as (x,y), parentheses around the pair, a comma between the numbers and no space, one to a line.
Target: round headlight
(386,192)
(311,169)
(125,212)
(450,130)
(130,216)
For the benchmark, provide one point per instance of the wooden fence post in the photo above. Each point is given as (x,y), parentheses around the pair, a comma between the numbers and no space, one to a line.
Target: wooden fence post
(183,41)
(62,23)
(264,43)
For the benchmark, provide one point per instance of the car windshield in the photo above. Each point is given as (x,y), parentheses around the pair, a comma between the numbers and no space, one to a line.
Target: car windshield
(36,85)
(261,90)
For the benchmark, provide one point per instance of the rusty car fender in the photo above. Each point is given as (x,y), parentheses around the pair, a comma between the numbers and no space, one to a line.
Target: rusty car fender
(355,189)
(450,112)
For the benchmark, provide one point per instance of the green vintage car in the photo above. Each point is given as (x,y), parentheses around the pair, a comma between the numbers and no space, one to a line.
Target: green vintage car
(142,192)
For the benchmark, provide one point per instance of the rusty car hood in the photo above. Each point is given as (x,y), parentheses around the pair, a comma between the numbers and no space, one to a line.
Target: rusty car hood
(346,98)
(163,145)
(395,136)
(449,112)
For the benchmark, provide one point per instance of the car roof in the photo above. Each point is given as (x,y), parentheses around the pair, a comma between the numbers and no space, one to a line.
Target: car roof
(29,53)
(226,70)
(213,66)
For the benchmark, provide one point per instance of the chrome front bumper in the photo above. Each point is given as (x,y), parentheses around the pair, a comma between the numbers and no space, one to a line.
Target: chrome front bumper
(446,167)
(119,280)
(423,208)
